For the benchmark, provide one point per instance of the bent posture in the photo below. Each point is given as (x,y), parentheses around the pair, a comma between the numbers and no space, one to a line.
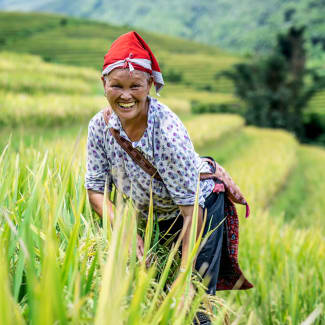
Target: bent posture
(160,137)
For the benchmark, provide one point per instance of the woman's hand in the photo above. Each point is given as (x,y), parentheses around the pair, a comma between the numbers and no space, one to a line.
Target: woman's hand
(96,200)
(140,251)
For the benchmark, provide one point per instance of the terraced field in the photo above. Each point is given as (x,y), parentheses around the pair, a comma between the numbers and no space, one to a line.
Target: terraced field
(56,265)
(276,250)
(50,94)
(84,43)
(303,194)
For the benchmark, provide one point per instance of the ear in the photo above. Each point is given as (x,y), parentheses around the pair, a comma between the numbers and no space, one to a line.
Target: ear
(150,81)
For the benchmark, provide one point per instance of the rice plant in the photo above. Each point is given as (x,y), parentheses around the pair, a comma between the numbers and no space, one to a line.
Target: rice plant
(61,266)
(303,195)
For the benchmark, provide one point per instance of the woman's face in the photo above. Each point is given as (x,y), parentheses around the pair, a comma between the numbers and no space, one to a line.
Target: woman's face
(127,93)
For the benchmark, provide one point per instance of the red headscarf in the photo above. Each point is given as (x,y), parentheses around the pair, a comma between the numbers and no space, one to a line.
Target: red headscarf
(130,50)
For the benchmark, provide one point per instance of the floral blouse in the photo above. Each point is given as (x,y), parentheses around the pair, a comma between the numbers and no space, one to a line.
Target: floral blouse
(166,144)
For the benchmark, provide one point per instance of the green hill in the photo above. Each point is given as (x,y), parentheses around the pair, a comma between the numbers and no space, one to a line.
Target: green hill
(84,43)
(81,42)
(246,25)
(49,94)
(189,68)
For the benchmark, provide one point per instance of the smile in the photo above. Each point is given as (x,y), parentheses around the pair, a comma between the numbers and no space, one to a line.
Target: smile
(126,105)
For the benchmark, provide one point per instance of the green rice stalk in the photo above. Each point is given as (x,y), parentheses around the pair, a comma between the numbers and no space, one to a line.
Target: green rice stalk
(10,313)
(115,281)
(70,252)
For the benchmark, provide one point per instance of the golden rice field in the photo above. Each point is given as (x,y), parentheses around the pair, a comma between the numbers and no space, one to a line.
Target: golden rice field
(304,191)
(44,198)
(60,265)
(67,94)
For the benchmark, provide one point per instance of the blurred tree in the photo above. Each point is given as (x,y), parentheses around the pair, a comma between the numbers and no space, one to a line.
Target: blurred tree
(277,88)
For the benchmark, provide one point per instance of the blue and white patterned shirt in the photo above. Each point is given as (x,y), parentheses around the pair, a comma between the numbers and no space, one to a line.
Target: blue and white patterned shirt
(166,144)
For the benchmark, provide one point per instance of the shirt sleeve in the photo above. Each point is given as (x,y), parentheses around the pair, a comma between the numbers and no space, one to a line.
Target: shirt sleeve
(98,170)
(176,160)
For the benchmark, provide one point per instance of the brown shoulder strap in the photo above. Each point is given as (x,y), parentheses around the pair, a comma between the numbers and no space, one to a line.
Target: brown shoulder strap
(232,189)
(135,154)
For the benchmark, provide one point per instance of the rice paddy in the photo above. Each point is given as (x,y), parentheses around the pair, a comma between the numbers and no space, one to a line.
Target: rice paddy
(61,265)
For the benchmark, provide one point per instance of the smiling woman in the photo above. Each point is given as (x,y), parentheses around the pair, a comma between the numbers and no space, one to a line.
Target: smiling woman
(142,148)
(127,93)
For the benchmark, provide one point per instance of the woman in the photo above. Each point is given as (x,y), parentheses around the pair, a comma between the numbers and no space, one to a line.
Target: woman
(157,133)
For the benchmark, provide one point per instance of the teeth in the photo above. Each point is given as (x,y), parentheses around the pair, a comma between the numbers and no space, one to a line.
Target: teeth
(127,104)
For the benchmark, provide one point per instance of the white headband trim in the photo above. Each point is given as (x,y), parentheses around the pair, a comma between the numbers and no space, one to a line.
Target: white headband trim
(142,62)
(159,81)
(157,76)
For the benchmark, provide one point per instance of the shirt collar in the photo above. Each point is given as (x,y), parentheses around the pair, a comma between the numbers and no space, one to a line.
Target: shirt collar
(114,122)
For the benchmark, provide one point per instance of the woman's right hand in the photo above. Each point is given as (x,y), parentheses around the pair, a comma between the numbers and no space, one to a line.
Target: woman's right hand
(140,251)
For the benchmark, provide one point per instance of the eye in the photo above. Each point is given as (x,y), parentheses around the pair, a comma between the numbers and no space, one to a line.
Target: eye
(116,86)
(136,86)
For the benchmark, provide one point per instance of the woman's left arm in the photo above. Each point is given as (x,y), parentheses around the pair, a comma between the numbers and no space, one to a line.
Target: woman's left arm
(187,213)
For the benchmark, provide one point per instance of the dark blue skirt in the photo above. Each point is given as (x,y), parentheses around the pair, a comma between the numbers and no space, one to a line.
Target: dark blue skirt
(208,260)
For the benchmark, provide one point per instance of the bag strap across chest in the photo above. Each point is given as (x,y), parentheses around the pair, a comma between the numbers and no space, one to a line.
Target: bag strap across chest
(135,155)
(232,190)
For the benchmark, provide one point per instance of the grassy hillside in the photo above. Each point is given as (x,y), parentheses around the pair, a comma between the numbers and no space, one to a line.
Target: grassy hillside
(48,94)
(241,26)
(84,43)
(303,194)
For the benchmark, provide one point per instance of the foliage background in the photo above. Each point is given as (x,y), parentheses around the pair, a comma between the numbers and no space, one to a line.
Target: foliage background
(245,26)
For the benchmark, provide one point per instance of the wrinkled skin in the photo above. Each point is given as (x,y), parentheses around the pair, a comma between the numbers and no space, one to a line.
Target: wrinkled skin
(127,94)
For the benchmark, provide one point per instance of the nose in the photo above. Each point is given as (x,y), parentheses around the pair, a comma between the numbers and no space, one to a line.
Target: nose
(126,94)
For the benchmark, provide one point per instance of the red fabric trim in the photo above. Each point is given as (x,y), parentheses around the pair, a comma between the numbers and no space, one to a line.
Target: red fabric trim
(230,275)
